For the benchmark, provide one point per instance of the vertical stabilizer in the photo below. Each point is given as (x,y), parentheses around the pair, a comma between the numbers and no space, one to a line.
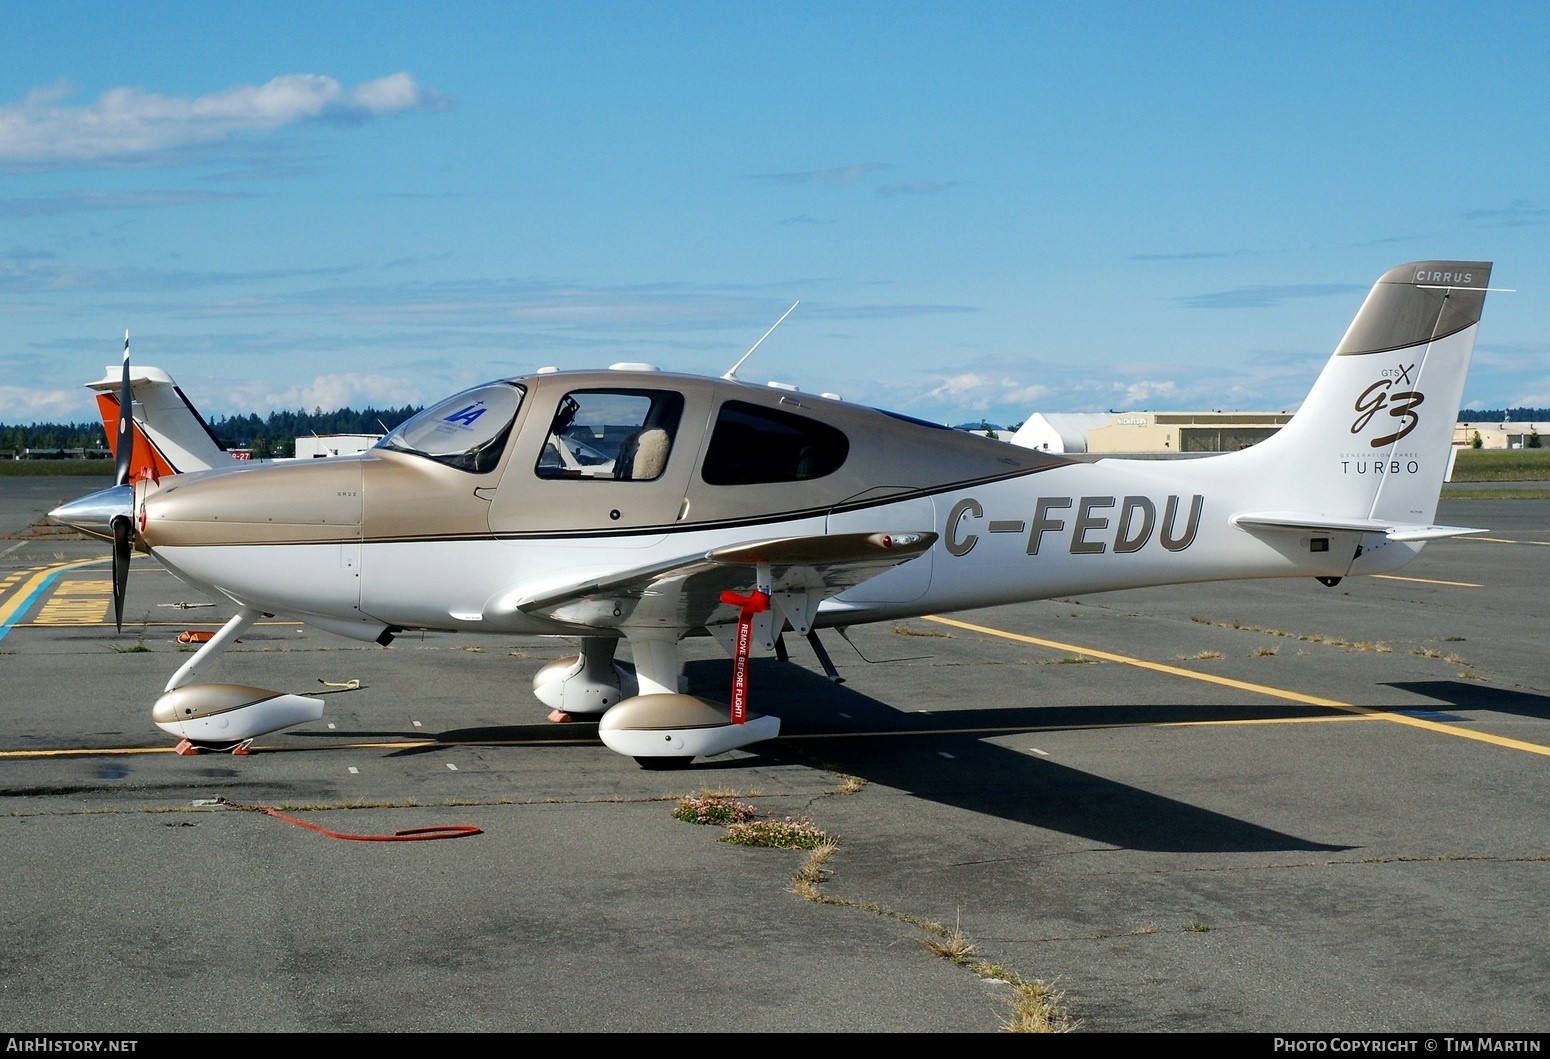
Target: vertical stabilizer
(1374,439)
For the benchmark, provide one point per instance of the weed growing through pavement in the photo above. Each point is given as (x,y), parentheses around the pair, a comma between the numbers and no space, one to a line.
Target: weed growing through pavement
(951,944)
(136,648)
(1033,1007)
(905,630)
(789,833)
(713,809)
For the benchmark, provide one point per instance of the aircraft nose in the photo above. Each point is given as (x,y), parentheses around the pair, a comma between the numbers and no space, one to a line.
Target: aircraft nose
(94,513)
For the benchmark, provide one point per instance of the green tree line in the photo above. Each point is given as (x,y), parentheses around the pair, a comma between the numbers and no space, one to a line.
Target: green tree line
(1499,415)
(274,435)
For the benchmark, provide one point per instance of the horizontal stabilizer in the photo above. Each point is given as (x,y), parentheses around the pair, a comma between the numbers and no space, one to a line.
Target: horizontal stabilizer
(1298,522)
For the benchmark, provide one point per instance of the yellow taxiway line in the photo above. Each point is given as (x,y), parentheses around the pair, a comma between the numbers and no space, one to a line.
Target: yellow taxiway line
(27,593)
(1427,581)
(1259,689)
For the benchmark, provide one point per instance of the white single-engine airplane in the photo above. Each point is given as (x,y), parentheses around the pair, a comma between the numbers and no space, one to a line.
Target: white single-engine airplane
(632,504)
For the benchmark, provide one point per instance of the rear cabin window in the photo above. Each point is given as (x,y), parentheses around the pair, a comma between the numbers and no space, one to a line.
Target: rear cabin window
(619,435)
(752,445)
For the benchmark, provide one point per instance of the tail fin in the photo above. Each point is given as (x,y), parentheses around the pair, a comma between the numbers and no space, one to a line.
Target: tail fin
(1371,445)
(170,435)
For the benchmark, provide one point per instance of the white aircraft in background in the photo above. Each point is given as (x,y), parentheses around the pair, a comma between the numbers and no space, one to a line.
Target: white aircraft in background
(692,505)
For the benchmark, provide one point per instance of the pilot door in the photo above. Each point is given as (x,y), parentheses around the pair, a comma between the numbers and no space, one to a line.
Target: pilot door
(599,463)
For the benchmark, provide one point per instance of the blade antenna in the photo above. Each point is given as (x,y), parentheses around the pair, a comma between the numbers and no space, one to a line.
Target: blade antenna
(732,371)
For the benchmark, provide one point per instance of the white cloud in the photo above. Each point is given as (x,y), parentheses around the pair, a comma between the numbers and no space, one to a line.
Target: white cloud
(1139,394)
(131,124)
(958,385)
(348,390)
(40,406)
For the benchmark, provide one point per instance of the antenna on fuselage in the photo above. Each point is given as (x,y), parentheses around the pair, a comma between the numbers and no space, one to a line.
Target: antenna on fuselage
(732,371)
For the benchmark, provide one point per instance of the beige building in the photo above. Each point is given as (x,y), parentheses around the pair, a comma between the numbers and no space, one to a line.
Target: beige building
(1184,431)
(1198,432)
(1499,435)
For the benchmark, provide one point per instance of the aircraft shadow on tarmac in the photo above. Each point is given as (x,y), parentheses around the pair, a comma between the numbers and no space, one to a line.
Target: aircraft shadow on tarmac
(1469,695)
(992,779)
(837,727)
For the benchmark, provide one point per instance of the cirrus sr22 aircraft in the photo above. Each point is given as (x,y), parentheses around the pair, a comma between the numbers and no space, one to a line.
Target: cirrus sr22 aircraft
(637,505)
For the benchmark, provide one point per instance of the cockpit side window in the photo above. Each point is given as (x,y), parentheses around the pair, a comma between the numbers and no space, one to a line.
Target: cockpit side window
(468,431)
(752,445)
(621,435)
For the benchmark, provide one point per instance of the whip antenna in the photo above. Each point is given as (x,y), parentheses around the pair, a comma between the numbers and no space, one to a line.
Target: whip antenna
(732,371)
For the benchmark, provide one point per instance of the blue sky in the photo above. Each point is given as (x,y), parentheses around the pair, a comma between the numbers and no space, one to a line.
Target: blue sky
(985,209)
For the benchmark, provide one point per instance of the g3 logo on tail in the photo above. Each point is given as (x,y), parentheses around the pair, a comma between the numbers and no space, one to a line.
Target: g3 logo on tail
(1401,404)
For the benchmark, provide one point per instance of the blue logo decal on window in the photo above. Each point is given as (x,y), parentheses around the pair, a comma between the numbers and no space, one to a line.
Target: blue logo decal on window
(467,415)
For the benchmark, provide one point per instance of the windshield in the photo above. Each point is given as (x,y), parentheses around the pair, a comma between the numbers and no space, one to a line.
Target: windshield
(467,431)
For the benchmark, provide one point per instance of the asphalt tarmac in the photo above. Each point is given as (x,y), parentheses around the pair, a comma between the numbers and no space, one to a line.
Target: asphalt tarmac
(1263,806)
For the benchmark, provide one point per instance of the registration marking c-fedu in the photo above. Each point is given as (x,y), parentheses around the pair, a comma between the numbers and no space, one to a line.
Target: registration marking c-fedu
(1243,685)
(30,592)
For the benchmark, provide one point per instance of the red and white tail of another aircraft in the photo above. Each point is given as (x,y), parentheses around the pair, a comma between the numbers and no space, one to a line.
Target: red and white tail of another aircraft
(171,437)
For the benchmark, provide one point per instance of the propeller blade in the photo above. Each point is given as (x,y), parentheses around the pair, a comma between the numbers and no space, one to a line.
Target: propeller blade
(123,533)
(124,453)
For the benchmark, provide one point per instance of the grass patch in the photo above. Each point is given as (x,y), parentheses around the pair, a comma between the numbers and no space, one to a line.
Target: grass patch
(57,469)
(1036,1008)
(814,872)
(1502,465)
(849,784)
(905,630)
(744,825)
(717,809)
(950,944)
(1033,1007)
(787,833)
(1494,493)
